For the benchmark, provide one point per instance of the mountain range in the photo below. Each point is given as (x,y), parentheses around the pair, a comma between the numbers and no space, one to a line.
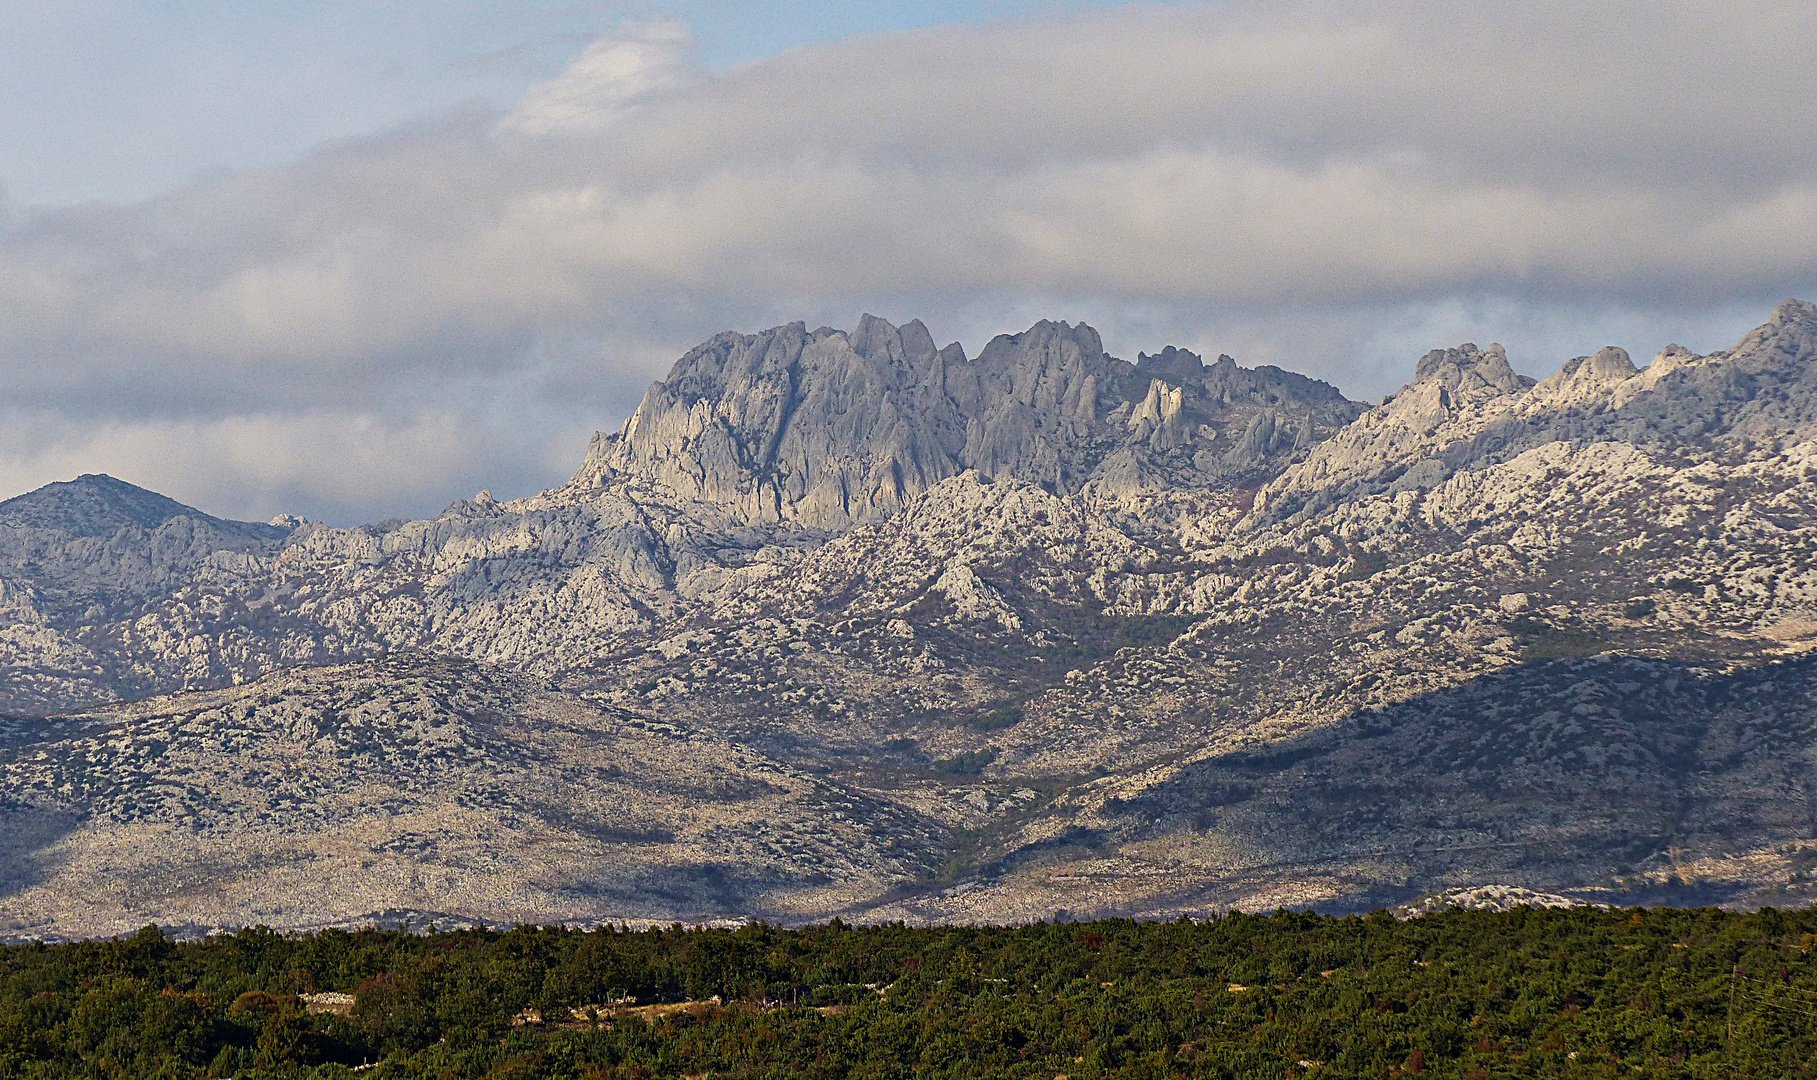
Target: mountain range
(848,624)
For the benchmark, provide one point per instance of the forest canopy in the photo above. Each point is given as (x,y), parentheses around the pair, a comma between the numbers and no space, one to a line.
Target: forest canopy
(1587,992)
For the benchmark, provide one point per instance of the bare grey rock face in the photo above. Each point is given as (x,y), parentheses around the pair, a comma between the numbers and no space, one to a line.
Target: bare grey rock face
(1467,409)
(965,639)
(829,429)
(1484,898)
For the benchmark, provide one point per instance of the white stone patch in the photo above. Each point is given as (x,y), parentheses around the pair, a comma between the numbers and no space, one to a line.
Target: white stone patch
(974,598)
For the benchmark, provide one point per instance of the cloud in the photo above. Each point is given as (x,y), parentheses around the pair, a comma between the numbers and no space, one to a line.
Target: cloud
(348,467)
(608,78)
(1338,177)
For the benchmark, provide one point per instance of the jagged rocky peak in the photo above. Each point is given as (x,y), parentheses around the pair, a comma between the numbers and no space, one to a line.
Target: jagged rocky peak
(97,505)
(1790,333)
(1177,366)
(828,428)
(1470,371)
(1466,408)
(1449,384)
(821,428)
(1227,383)
(1790,312)
(1609,367)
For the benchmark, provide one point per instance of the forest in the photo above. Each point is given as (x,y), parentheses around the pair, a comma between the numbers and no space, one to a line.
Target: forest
(1585,992)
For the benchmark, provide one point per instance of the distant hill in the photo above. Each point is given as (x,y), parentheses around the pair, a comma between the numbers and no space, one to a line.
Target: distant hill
(97,505)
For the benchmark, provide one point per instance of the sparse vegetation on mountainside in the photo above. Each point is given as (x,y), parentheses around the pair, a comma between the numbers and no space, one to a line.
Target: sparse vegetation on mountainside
(844,624)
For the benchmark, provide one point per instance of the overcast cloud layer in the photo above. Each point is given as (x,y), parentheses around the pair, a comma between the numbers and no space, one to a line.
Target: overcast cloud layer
(1333,187)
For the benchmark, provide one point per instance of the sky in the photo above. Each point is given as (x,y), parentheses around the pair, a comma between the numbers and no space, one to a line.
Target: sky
(350,261)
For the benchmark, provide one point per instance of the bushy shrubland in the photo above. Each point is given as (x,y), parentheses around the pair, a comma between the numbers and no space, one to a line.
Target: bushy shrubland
(1580,993)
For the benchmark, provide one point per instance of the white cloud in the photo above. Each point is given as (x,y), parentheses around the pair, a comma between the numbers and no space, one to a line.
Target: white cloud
(1229,175)
(346,467)
(608,78)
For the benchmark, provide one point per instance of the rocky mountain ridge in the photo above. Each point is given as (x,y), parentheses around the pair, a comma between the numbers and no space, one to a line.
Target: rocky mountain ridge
(1548,636)
(830,429)
(1467,408)
(96,506)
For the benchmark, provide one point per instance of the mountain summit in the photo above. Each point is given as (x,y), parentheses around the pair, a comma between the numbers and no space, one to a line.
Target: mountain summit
(93,504)
(97,505)
(827,429)
(846,623)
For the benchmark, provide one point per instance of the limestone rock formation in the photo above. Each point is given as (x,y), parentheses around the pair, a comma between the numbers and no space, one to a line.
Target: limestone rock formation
(848,624)
(827,429)
(1466,409)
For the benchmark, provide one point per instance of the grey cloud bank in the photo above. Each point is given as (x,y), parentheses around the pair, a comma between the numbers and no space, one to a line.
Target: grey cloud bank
(393,322)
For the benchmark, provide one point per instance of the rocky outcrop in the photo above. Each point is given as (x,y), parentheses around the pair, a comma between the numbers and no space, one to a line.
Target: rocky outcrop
(827,429)
(1467,409)
(1553,636)
(79,561)
(1455,394)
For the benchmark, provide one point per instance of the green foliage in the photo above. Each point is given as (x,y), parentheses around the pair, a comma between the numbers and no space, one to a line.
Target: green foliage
(1531,993)
(1081,637)
(968,763)
(1542,641)
(996,719)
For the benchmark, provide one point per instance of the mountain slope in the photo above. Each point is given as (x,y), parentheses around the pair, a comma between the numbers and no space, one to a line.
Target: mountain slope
(651,526)
(428,789)
(1492,632)
(1467,408)
(97,505)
